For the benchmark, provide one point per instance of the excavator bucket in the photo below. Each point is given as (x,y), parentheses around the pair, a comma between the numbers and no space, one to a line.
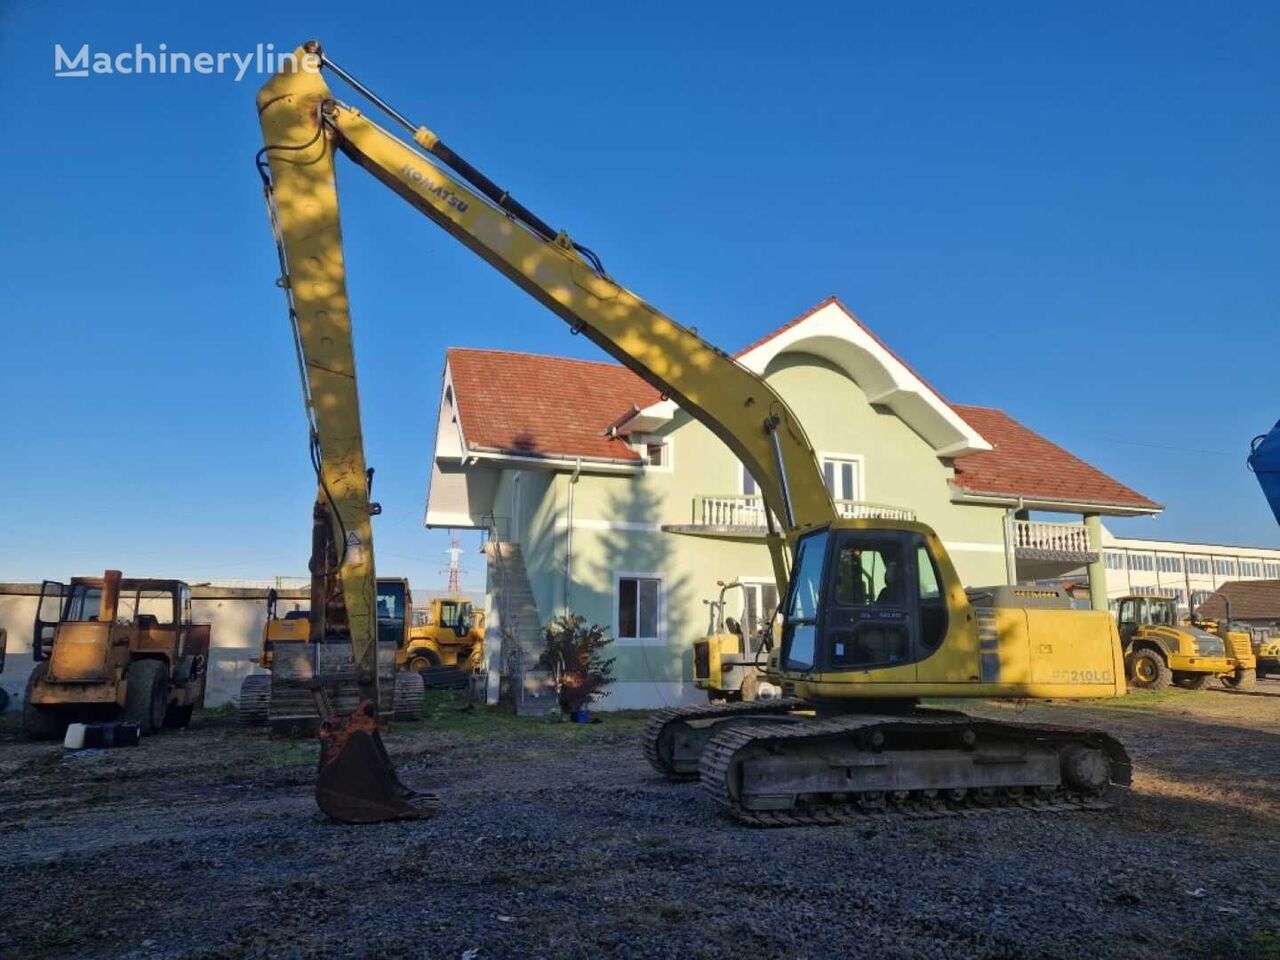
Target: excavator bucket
(357,783)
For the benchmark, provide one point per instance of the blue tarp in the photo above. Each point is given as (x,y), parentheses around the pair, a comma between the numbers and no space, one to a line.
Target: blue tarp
(1264,461)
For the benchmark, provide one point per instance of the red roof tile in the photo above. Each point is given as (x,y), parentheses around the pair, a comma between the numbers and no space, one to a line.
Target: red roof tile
(530,405)
(1025,464)
(1250,600)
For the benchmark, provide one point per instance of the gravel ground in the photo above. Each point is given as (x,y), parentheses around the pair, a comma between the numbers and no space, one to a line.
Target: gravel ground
(558,841)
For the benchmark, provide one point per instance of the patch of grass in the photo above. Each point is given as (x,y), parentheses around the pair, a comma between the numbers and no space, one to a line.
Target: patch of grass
(451,713)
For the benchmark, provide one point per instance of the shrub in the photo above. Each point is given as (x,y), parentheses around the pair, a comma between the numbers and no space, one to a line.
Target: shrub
(573,652)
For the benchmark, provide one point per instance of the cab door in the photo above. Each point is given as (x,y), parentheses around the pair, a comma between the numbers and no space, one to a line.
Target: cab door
(48,613)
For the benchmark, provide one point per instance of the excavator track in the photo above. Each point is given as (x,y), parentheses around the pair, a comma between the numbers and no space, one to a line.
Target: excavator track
(255,700)
(841,770)
(664,725)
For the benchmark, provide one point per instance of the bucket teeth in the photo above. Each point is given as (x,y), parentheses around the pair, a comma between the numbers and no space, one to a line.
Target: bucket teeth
(357,782)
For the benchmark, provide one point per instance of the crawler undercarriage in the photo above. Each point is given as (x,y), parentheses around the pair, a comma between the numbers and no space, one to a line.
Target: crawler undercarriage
(774,764)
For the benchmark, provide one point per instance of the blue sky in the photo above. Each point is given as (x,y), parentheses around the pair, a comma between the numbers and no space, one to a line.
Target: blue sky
(1067,211)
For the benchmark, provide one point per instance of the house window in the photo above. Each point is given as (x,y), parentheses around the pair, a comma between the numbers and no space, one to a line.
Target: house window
(748,486)
(1115,561)
(1224,568)
(1273,571)
(639,605)
(654,451)
(1169,564)
(843,475)
(1198,597)
(1198,565)
(1250,568)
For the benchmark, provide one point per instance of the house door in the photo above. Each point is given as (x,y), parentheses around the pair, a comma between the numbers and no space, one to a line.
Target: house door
(760,603)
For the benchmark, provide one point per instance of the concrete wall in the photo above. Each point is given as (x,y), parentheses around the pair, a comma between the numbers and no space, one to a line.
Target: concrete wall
(237,616)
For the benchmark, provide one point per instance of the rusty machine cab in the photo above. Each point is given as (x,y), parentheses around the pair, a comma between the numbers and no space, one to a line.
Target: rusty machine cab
(113,646)
(91,627)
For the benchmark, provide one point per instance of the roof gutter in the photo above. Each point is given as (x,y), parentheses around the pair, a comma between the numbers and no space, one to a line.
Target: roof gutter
(960,495)
(497,455)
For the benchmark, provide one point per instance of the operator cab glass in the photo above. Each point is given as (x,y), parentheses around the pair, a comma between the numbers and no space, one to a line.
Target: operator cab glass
(862,600)
(456,615)
(391,612)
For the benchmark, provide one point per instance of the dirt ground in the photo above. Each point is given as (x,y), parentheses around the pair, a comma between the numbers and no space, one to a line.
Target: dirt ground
(557,840)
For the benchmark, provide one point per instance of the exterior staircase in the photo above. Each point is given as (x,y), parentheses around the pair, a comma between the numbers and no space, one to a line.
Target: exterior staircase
(513,631)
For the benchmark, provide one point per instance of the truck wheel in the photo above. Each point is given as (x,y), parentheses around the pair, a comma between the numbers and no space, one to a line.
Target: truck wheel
(176,717)
(146,696)
(420,660)
(40,723)
(1148,671)
(1240,680)
(1191,681)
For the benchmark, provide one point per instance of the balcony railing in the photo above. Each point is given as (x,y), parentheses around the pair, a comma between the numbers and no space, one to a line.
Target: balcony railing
(748,512)
(1043,540)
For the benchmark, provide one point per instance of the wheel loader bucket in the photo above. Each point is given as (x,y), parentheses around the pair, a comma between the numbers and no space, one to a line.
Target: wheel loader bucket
(357,783)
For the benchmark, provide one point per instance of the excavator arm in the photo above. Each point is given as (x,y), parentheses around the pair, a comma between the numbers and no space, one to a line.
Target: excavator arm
(877,611)
(304,126)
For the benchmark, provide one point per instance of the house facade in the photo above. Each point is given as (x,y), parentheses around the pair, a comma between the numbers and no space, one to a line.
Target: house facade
(602,498)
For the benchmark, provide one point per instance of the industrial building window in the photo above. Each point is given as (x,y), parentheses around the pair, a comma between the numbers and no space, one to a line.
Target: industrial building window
(1224,568)
(1273,571)
(1198,597)
(639,601)
(1198,565)
(1141,561)
(1250,568)
(1169,564)
(1115,561)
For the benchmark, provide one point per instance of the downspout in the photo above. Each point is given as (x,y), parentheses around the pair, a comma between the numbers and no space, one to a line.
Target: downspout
(568,538)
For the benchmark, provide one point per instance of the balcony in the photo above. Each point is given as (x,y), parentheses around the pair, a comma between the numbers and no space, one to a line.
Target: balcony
(1054,542)
(743,517)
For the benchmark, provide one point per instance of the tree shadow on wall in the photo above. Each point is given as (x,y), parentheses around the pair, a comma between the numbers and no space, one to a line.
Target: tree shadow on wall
(648,551)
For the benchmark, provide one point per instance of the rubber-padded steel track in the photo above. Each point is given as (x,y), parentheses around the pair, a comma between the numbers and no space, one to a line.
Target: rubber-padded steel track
(255,699)
(660,721)
(715,773)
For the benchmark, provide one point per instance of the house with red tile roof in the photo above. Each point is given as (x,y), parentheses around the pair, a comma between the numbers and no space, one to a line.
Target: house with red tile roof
(602,497)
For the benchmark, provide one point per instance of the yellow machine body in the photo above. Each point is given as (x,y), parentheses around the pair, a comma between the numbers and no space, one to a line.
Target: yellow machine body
(453,636)
(1161,650)
(97,640)
(1005,641)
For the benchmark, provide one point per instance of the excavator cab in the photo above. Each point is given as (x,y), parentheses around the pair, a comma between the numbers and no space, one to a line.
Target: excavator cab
(862,599)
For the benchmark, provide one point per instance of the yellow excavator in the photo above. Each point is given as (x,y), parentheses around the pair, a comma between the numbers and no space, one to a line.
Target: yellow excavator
(270,699)
(874,616)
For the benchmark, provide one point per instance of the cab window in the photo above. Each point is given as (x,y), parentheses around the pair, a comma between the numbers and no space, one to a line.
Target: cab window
(800,631)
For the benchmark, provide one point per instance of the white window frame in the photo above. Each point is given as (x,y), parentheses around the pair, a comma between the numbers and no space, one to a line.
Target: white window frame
(641,440)
(858,460)
(754,583)
(661,639)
